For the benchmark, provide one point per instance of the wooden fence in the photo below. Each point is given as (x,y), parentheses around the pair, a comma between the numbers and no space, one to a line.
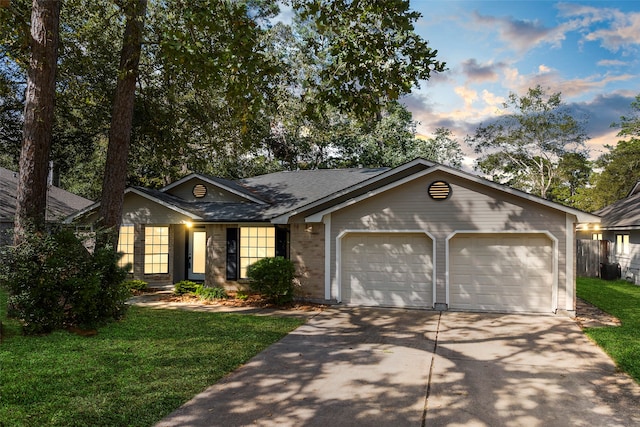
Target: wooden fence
(590,254)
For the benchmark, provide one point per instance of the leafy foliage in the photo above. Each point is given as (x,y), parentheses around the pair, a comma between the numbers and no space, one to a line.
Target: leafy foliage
(208,293)
(221,89)
(136,285)
(54,282)
(621,165)
(618,170)
(574,173)
(273,278)
(524,147)
(362,54)
(185,287)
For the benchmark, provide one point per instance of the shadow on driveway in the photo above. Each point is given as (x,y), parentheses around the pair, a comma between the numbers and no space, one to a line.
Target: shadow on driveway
(389,367)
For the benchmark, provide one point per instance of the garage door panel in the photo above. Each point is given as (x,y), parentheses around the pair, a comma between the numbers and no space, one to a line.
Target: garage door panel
(501,272)
(387,269)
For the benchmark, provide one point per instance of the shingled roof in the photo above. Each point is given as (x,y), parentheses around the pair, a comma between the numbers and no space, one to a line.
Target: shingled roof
(60,203)
(276,197)
(624,213)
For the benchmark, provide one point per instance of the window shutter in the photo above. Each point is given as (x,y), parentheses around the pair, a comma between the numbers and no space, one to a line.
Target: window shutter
(282,242)
(233,238)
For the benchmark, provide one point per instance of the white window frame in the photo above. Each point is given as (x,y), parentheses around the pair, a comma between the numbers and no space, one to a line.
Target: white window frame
(255,243)
(126,240)
(156,249)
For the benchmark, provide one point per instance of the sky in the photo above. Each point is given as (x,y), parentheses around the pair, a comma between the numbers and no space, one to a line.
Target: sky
(589,51)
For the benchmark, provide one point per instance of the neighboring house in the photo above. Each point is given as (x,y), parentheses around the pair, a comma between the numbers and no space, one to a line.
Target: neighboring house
(620,225)
(420,235)
(60,203)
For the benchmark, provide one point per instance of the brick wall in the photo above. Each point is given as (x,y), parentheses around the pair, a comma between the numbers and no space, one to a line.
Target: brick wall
(216,270)
(307,253)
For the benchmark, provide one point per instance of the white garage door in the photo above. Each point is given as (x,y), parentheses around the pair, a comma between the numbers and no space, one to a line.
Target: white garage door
(509,272)
(390,269)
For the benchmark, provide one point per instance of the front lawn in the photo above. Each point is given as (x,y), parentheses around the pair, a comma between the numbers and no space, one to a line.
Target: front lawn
(132,373)
(622,300)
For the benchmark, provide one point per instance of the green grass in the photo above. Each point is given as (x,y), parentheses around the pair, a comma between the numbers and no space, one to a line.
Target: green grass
(622,300)
(132,373)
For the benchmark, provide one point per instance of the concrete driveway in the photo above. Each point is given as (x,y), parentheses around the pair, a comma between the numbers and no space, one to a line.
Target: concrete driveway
(384,367)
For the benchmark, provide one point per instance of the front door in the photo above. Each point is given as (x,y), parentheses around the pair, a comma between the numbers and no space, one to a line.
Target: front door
(197,255)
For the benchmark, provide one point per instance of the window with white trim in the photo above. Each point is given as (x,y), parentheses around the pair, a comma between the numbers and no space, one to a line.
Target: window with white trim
(622,244)
(156,250)
(125,246)
(596,236)
(256,243)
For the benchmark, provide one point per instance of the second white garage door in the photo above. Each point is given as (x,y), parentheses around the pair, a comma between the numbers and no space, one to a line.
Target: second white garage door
(501,272)
(387,269)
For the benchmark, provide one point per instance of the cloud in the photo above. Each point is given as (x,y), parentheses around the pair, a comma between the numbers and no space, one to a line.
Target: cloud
(467,95)
(614,29)
(623,35)
(481,72)
(602,111)
(549,78)
(611,63)
(492,100)
(522,35)
(543,69)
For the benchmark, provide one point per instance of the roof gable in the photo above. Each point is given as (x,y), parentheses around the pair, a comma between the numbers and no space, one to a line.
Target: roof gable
(259,198)
(314,212)
(217,190)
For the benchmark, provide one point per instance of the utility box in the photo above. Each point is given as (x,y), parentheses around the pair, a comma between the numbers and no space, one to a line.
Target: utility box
(610,271)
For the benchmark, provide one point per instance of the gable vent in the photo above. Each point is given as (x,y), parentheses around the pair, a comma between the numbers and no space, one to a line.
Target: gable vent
(439,190)
(199,191)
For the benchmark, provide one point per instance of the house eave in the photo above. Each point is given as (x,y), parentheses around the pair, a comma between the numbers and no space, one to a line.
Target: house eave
(96,205)
(216,184)
(581,217)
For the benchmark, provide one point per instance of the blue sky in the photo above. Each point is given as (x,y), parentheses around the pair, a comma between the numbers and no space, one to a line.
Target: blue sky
(587,50)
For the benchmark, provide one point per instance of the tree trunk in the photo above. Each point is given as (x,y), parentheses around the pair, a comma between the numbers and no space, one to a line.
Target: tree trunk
(115,174)
(31,203)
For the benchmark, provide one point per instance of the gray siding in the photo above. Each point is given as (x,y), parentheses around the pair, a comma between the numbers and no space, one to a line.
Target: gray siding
(214,193)
(139,210)
(472,206)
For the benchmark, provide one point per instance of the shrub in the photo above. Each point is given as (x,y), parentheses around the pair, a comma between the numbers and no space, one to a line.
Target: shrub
(53,282)
(273,278)
(184,287)
(136,285)
(207,293)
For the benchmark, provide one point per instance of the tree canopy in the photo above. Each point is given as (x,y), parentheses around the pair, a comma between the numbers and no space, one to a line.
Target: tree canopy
(222,87)
(525,146)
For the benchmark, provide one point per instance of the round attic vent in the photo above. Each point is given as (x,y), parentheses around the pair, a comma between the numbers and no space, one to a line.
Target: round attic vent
(439,190)
(199,191)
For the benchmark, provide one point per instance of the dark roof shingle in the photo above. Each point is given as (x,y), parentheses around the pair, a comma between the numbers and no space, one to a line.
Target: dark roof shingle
(60,203)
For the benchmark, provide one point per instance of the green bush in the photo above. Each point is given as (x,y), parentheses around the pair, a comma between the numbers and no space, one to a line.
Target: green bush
(207,293)
(273,278)
(136,285)
(54,281)
(184,287)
